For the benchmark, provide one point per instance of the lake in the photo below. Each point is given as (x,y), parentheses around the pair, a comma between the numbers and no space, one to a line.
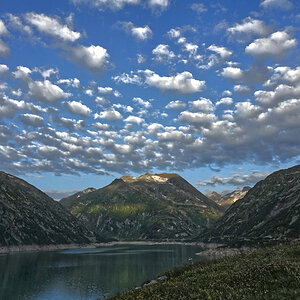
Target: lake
(87,274)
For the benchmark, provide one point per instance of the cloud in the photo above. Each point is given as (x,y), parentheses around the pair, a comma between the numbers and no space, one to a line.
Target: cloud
(277,44)
(225,101)
(109,114)
(283,4)
(181,83)
(141,102)
(45,91)
(199,118)
(32,120)
(222,51)
(52,27)
(248,28)
(199,8)
(177,104)
(4,49)
(162,4)
(203,104)
(102,4)
(242,89)
(238,180)
(140,33)
(94,58)
(162,54)
(75,107)
(134,119)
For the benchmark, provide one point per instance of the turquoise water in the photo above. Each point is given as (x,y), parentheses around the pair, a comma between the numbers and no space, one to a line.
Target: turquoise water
(87,274)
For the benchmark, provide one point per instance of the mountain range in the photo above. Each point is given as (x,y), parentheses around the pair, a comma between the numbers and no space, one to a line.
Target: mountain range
(149,207)
(226,200)
(30,217)
(270,210)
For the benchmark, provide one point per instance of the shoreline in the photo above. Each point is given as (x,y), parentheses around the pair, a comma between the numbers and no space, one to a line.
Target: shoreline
(46,248)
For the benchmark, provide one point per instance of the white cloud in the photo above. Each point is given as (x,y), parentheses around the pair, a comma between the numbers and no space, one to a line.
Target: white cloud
(232,73)
(283,4)
(75,107)
(199,118)
(177,104)
(238,180)
(128,78)
(109,114)
(4,49)
(242,89)
(141,102)
(141,58)
(248,28)
(278,44)
(163,54)
(222,51)
(225,101)
(3,69)
(112,4)
(140,33)
(93,58)
(134,119)
(45,91)
(199,8)
(203,104)
(32,120)
(52,27)
(181,83)
(158,3)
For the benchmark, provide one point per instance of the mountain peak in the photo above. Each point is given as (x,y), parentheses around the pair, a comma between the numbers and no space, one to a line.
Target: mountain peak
(158,178)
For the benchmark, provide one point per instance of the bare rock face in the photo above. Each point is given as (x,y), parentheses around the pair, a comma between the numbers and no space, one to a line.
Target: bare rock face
(270,210)
(228,199)
(30,217)
(151,206)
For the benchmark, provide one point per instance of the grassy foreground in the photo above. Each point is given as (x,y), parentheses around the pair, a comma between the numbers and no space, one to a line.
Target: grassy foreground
(267,273)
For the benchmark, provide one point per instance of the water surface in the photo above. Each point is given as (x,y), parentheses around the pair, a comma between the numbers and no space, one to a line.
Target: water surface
(87,274)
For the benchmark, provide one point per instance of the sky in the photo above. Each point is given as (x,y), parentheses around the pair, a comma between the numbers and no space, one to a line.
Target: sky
(91,90)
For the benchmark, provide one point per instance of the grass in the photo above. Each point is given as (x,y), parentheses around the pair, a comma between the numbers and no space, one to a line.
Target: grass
(268,273)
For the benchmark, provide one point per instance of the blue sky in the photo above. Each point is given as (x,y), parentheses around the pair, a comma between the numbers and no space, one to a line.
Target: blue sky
(92,90)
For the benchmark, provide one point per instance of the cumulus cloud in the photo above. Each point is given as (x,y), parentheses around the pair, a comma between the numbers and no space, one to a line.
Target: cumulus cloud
(203,104)
(225,101)
(140,33)
(94,58)
(222,51)
(248,28)
(144,103)
(283,4)
(32,120)
(162,4)
(134,119)
(181,83)
(109,114)
(45,91)
(198,118)
(238,180)
(177,104)
(163,54)
(4,49)
(75,107)
(277,44)
(52,27)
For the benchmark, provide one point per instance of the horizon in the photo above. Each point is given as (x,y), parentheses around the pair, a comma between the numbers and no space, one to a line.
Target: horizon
(95,90)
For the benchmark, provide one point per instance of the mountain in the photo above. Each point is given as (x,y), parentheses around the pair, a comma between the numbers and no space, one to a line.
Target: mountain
(30,217)
(270,210)
(152,206)
(228,199)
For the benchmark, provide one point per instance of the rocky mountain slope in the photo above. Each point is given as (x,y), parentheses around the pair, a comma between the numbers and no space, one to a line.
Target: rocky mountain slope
(30,217)
(270,210)
(157,207)
(228,199)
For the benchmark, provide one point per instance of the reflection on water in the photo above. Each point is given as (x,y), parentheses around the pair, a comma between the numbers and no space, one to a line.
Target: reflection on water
(86,273)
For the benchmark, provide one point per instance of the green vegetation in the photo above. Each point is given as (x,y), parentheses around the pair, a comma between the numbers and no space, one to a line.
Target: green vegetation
(267,273)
